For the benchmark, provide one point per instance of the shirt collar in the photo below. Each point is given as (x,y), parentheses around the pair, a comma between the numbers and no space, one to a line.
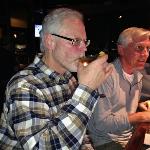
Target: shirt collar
(60,78)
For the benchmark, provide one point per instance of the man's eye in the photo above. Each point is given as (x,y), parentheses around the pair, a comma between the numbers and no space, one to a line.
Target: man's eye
(77,41)
(148,48)
(141,48)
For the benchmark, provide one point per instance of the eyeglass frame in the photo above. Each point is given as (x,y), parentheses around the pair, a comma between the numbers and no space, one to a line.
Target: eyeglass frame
(141,48)
(75,41)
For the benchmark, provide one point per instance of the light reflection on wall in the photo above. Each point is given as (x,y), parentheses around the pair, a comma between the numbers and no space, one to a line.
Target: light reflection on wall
(15,22)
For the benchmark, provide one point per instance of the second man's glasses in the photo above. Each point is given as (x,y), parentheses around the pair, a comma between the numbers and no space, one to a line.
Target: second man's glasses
(141,48)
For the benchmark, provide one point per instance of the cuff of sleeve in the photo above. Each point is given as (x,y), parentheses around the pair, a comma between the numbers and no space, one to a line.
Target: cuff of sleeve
(86,96)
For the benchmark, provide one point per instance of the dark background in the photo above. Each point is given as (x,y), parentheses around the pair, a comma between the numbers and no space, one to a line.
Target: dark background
(104,20)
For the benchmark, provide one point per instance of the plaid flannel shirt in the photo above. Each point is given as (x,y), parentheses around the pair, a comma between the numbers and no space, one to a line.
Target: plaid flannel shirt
(45,110)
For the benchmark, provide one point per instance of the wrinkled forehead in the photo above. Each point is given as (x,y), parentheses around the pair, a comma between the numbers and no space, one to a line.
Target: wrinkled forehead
(73,26)
(141,38)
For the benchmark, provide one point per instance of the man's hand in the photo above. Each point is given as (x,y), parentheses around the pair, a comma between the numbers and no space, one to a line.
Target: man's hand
(145,106)
(95,73)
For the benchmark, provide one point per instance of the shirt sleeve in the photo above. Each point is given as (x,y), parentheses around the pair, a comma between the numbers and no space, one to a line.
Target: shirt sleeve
(110,121)
(110,114)
(40,125)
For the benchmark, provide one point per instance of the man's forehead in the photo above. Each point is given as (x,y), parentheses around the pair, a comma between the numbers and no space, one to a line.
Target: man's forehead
(141,38)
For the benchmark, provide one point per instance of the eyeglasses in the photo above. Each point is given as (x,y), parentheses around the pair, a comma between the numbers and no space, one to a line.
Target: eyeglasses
(141,48)
(76,41)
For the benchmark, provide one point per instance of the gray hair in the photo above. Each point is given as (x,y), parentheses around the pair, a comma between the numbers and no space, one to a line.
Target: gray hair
(128,35)
(52,22)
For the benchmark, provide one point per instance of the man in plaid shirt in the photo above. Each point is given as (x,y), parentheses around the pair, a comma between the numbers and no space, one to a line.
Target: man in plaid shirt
(46,108)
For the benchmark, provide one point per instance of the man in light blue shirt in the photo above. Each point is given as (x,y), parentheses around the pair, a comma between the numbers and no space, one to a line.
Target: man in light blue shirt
(113,120)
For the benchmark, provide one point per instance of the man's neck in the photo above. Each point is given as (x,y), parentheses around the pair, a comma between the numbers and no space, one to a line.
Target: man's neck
(52,65)
(126,67)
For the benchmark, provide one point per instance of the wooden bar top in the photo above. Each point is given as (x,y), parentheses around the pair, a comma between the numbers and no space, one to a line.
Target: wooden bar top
(137,139)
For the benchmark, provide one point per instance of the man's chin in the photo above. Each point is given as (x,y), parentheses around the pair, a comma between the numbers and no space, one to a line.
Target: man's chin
(140,67)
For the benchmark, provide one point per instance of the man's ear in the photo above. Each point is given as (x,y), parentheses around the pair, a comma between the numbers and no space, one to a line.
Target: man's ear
(49,41)
(120,49)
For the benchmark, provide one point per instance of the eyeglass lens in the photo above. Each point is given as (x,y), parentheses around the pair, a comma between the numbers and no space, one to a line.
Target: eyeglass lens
(78,42)
(142,48)
(75,42)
